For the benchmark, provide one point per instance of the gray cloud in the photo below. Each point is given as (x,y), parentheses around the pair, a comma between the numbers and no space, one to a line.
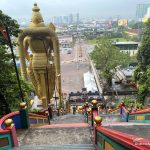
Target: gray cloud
(89,8)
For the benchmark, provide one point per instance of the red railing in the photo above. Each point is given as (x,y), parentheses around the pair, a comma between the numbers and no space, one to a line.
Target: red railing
(145,111)
(36,115)
(127,140)
(10,115)
(12,131)
(2,131)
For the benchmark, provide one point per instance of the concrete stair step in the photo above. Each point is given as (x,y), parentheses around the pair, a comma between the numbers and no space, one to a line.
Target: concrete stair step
(57,147)
(54,136)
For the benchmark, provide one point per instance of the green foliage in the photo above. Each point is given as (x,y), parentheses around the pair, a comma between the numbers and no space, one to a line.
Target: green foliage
(130,102)
(137,25)
(106,57)
(144,50)
(12,24)
(140,76)
(8,81)
(142,73)
(35,111)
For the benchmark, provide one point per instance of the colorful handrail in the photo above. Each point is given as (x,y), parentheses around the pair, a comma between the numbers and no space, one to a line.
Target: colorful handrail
(141,111)
(124,139)
(36,120)
(9,134)
(10,115)
(37,115)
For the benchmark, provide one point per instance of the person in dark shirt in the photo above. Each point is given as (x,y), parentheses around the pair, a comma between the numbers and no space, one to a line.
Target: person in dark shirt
(50,111)
(74,110)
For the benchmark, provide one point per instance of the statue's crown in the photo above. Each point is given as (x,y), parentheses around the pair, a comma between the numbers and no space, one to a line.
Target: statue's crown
(36,19)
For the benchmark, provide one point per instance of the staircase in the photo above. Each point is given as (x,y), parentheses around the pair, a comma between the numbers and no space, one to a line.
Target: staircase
(66,132)
(57,147)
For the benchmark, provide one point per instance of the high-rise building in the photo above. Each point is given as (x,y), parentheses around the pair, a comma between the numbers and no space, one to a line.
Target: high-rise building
(78,18)
(57,20)
(147,15)
(54,20)
(141,10)
(75,18)
(60,20)
(65,20)
(70,19)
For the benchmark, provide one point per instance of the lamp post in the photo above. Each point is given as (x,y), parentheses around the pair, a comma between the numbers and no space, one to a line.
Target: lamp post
(4,30)
(55,97)
(60,102)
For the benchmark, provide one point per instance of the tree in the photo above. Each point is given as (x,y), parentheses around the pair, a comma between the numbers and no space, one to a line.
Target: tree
(144,50)
(106,57)
(142,72)
(137,25)
(9,90)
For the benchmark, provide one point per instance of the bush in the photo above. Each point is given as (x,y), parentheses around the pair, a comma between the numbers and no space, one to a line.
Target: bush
(35,111)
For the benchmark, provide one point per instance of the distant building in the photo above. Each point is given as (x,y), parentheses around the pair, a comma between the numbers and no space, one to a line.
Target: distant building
(128,47)
(54,20)
(147,16)
(78,18)
(65,38)
(65,20)
(132,32)
(70,19)
(122,22)
(102,23)
(141,10)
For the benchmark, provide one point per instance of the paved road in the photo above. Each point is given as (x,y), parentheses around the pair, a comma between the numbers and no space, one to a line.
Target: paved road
(72,69)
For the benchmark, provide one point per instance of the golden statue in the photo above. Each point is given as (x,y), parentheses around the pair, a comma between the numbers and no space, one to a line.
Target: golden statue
(44,64)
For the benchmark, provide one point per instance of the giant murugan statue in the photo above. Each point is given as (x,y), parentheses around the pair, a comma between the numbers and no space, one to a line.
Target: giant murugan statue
(44,63)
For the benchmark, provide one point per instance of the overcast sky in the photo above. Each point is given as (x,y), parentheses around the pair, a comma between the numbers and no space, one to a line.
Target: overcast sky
(86,8)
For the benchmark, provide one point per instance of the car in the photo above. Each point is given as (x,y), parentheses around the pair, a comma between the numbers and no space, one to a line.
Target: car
(69,52)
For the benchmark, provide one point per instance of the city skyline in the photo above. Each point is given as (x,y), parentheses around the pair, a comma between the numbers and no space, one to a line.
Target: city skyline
(86,8)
